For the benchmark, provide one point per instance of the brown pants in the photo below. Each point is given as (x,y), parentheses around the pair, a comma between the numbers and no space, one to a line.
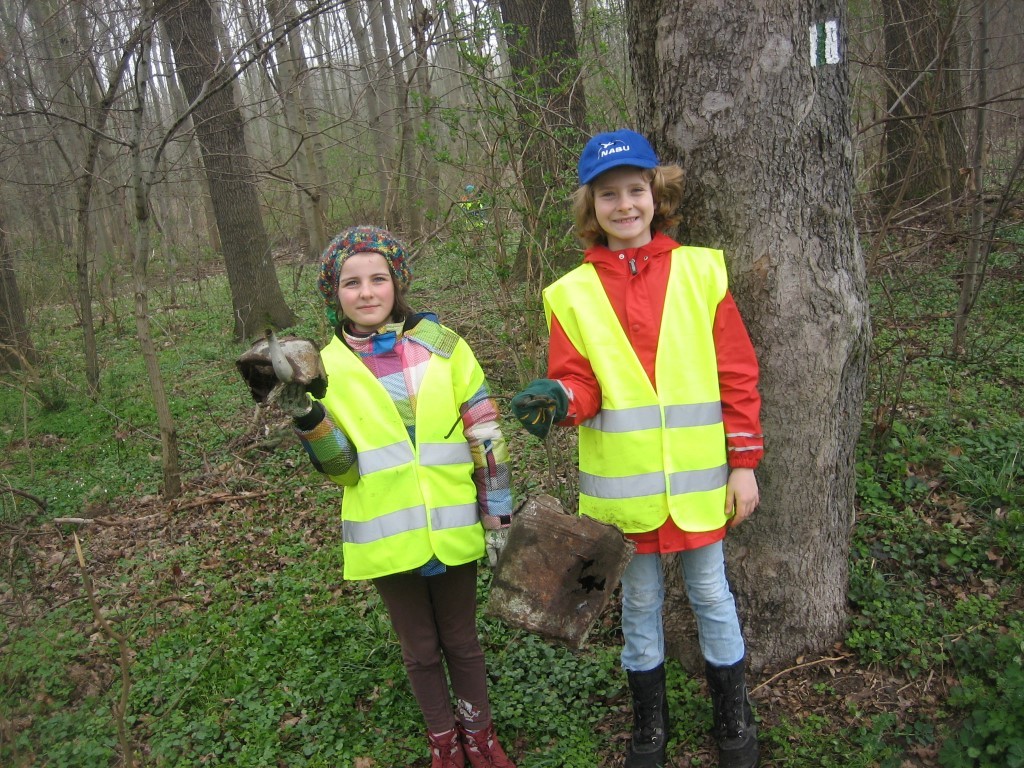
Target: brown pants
(435,617)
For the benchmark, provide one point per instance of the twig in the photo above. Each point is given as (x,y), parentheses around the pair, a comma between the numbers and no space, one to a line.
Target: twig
(220,498)
(798,666)
(26,495)
(85,521)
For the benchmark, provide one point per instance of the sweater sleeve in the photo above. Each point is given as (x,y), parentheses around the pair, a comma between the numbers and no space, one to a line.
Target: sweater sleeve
(328,448)
(737,377)
(491,471)
(574,371)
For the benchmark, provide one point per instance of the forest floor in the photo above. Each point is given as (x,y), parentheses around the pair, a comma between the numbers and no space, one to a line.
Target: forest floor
(936,565)
(836,690)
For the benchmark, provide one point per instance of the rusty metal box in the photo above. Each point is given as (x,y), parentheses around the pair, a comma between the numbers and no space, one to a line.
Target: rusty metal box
(557,571)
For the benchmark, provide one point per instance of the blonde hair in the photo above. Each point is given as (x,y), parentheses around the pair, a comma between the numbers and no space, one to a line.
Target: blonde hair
(666,188)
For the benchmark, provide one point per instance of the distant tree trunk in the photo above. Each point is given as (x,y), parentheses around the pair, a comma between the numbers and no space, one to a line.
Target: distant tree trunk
(403,209)
(728,91)
(57,35)
(376,104)
(541,38)
(256,294)
(973,269)
(198,182)
(16,350)
(923,143)
(141,187)
(292,71)
(425,30)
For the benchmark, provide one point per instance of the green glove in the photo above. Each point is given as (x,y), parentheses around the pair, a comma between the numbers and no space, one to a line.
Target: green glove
(539,406)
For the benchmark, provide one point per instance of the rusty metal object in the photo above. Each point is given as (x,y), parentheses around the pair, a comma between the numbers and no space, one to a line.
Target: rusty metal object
(257,367)
(557,572)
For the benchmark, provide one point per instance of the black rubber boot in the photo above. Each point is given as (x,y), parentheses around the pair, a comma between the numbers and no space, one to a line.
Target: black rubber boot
(650,719)
(734,726)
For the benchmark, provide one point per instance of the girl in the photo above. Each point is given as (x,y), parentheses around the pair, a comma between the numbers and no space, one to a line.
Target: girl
(423,500)
(649,358)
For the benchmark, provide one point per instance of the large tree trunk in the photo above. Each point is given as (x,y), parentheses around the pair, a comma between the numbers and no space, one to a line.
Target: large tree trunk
(256,295)
(728,91)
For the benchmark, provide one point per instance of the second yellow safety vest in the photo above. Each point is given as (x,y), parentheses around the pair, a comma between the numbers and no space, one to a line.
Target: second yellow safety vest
(649,454)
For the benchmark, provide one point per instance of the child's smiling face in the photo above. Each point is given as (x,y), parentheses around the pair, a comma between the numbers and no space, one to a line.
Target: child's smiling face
(624,207)
(366,292)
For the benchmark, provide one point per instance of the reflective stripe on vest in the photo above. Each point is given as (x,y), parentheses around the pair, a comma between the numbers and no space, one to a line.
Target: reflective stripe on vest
(662,452)
(693,481)
(411,519)
(409,503)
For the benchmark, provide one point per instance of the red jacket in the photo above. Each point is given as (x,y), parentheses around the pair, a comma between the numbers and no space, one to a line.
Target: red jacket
(638,300)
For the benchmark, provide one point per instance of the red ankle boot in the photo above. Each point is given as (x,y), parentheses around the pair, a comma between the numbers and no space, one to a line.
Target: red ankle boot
(446,750)
(483,750)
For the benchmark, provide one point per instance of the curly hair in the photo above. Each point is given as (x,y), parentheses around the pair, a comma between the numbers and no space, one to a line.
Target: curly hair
(666,188)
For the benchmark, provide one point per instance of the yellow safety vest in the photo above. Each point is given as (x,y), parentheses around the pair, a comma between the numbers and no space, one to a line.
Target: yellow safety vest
(647,455)
(405,503)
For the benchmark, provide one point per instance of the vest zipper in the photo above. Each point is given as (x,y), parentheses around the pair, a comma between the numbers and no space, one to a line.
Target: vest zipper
(632,266)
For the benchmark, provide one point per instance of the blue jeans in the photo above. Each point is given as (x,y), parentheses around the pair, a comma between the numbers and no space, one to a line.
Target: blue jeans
(643,593)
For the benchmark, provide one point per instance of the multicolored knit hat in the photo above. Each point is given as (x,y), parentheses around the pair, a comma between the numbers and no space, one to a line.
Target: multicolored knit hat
(360,239)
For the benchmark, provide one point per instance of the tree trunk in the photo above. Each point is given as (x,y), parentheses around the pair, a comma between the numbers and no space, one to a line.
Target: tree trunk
(973,270)
(170,463)
(198,183)
(292,71)
(376,104)
(256,294)
(16,350)
(541,38)
(78,150)
(729,92)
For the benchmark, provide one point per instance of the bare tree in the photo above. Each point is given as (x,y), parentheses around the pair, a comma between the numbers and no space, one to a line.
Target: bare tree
(141,184)
(730,91)
(380,130)
(924,140)
(256,294)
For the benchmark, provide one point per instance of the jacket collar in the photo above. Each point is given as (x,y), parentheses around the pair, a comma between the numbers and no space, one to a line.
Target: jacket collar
(601,257)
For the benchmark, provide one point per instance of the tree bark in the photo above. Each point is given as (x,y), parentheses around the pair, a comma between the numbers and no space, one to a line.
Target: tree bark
(256,294)
(729,92)
(376,104)
(974,265)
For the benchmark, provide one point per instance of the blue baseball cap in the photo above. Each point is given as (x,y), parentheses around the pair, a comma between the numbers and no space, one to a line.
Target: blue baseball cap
(610,150)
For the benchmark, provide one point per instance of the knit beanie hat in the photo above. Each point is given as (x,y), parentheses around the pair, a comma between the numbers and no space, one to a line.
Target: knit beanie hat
(360,239)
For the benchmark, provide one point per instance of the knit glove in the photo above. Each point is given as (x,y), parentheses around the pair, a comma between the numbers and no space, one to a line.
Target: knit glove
(495,542)
(540,405)
(292,399)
